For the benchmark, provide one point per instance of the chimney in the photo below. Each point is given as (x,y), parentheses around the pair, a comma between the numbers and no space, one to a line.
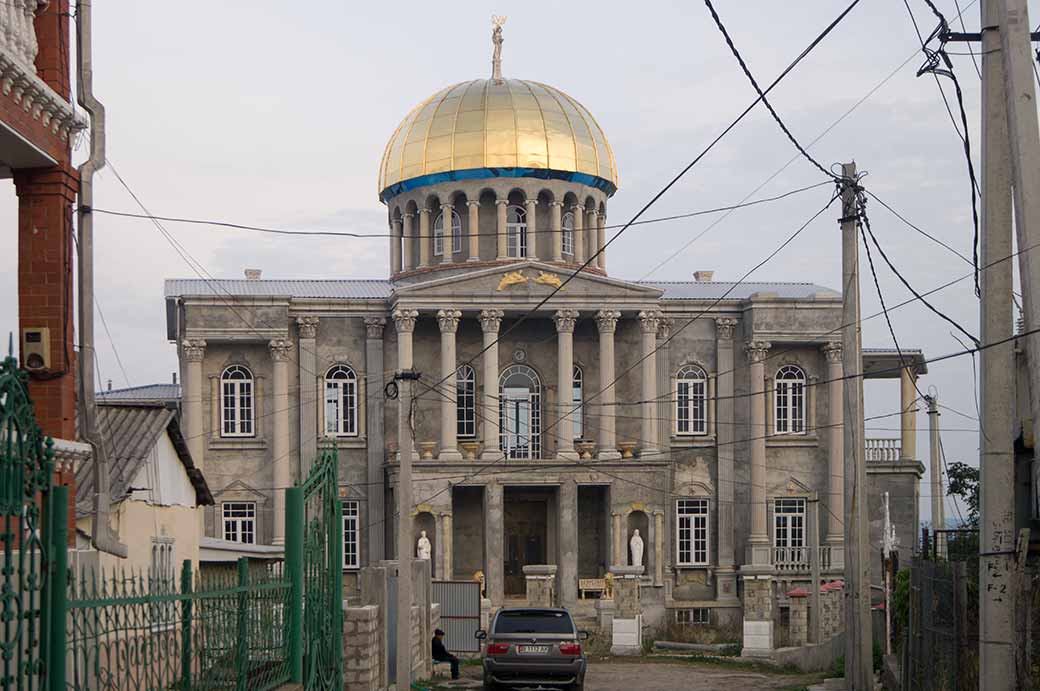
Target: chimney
(253,274)
(703,276)
(174,378)
(109,384)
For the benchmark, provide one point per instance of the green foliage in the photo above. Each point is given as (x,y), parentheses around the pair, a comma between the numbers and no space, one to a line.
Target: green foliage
(901,601)
(963,483)
(879,656)
(839,667)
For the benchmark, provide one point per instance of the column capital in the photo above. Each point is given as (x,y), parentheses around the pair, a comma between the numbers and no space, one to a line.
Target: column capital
(756,350)
(833,351)
(724,327)
(280,349)
(490,320)
(565,320)
(404,320)
(502,202)
(308,326)
(556,204)
(448,320)
(407,215)
(607,320)
(447,205)
(374,327)
(194,349)
(473,203)
(424,210)
(648,320)
(577,206)
(664,327)
(593,212)
(530,202)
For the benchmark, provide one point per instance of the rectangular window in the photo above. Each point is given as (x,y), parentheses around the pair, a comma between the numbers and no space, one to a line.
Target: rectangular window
(341,407)
(691,414)
(239,521)
(438,242)
(465,393)
(351,536)
(693,617)
(789,523)
(691,532)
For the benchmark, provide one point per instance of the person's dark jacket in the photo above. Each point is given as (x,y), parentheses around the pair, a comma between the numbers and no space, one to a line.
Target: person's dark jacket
(439,651)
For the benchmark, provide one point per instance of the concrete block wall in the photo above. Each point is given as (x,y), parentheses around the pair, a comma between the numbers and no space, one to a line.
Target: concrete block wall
(362,648)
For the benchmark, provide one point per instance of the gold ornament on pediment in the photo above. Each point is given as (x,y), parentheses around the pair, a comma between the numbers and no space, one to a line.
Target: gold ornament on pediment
(513,278)
(546,278)
(637,506)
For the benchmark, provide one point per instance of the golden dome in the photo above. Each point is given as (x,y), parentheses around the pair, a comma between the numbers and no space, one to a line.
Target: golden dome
(514,126)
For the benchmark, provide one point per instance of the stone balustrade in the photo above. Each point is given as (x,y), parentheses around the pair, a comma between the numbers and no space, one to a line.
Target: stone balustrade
(18,32)
(883,450)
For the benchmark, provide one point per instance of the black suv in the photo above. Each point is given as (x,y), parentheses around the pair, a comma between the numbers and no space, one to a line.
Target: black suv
(533,647)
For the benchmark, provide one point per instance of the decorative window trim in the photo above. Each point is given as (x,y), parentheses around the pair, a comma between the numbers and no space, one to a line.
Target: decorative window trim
(793,513)
(233,527)
(438,233)
(693,514)
(567,233)
(577,409)
(351,534)
(516,231)
(466,402)
(237,402)
(344,381)
(533,448)
(790,400)
(691,401)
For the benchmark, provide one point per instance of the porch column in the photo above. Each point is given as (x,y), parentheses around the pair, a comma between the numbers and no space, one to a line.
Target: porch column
(565,320)
(448,237)
(606,321)
(759,539)
(835,444)
(490,321)
(374,424)
(446,570)
(425,241)
(556,221)
(474,230)
(531,206)
(724,431)
(407,254)
(568,548)
(309,402)
(648,325)
(280,349)
(194,352)
(500,209)
(601,241)
(404,321)
(448,320)
(618,556)
(395,246)
(908,419)
(494,563)
(579,233)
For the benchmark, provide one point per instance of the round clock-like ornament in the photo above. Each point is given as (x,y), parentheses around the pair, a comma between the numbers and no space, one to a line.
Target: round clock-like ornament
(519,355)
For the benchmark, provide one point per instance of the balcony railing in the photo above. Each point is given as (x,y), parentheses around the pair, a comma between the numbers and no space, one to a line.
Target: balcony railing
(17,31)
(883,450)
(796,559)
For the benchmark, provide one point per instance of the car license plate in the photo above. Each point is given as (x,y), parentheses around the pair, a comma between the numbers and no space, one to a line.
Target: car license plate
(533,649)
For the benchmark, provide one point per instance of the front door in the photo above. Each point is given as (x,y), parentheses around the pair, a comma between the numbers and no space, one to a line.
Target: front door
(525,528)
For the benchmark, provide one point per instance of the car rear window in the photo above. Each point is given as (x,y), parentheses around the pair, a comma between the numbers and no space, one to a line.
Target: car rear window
(533,622)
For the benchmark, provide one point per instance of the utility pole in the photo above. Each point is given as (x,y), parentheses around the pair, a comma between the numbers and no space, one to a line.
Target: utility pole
(858,654)
(934,466)
(1005,48)
(814,568)
(405,445)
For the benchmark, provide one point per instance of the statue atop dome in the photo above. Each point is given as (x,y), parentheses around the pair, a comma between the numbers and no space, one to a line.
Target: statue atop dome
(496,38)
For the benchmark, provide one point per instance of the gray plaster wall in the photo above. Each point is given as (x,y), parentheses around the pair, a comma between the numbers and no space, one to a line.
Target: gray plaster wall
(902,481)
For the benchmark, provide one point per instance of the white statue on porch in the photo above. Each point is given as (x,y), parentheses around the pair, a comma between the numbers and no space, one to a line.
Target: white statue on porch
(636,545)
(424,548)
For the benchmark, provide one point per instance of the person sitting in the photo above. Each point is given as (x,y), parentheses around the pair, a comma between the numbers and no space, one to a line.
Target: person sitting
(441,654)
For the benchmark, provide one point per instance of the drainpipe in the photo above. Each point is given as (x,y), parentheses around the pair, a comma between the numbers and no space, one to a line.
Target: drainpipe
(103,537)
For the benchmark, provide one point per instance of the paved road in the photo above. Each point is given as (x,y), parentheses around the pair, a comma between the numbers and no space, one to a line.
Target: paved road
(614,676)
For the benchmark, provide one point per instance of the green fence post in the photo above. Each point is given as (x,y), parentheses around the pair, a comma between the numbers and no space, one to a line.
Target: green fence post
(242,658)
(294,565)
(186,587)
(58,576)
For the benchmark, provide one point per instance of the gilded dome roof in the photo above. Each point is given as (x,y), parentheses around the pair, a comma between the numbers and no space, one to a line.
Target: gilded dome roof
(514,125)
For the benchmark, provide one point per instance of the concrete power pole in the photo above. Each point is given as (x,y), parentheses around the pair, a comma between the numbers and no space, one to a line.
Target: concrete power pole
(996,472)
(858,640)
(404,517)
(934,465)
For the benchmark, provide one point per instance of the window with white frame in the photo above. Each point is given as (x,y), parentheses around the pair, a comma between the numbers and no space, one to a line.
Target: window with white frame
(466,401)
(789,522)
(691,401)
(341,402)
(693,617)
(577,411)
(516,232)
(691,532)
(236,402)
(351,535)
(239,518)
(789,397)
(439,232)
(567,235)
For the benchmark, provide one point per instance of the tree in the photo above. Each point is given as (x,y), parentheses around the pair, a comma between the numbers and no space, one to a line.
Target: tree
(963,483)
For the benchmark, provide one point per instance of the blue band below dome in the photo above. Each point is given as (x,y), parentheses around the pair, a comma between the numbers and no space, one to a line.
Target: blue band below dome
(595,181)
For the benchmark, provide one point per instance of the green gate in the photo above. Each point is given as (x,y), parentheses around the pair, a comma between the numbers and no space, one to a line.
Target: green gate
(314,557)
(34,531)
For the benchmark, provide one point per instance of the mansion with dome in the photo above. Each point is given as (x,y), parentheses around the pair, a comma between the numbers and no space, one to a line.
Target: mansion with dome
(706,415)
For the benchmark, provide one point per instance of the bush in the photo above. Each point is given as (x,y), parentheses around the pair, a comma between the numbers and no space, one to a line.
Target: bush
(839,667)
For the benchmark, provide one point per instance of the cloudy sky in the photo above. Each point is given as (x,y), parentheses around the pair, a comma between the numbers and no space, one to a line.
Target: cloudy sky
(276,113)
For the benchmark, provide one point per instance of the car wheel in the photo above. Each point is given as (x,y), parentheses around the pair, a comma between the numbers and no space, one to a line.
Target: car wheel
(490,685)
(579,686)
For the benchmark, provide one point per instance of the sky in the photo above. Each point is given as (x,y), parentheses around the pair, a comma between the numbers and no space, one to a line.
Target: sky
(276,114)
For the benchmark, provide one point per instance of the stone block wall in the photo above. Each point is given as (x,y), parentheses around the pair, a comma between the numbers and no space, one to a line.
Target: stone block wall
(799,622)
(362,648)
(832,609)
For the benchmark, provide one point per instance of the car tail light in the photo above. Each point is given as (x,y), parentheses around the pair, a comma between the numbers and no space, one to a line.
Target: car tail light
(497,648)
(570,649)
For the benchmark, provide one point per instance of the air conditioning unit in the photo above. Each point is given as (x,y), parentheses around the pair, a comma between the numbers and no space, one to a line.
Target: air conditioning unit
(36,349)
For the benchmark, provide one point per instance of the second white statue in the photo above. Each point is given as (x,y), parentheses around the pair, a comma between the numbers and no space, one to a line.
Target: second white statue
(424,548)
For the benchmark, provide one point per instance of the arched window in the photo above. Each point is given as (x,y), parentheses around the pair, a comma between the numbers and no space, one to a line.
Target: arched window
(567,238)
(691,401)
(516,232)
(466,401)
(520,414)
(789,397)
(438,233)
(341,402)
(236,402)
(577,412)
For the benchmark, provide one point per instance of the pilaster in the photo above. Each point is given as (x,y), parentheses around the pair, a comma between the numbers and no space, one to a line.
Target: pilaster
(280,349)
(565,321)
(448,321)
(648,320)
(374,424)
(490,321)
(759,538)
(308,373)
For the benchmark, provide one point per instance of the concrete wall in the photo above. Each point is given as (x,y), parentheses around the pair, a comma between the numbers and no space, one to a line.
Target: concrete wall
(138,522)
(902,481)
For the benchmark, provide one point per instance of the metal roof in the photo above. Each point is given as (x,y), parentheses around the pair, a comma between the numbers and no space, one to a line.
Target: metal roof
(136,394)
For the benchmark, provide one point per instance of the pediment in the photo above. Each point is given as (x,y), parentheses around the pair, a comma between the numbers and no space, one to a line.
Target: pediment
(529,281)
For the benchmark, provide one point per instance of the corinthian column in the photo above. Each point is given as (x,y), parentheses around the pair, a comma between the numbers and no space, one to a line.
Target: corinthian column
(194,353)
(280,349)
(648,326)
(425,241)
(500,237)
(308,328)
(404,321)
(759,539)
(606,322)
(835,444)
(448,320)
(490,321)
(565,320)
(474,230)
(556,221)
